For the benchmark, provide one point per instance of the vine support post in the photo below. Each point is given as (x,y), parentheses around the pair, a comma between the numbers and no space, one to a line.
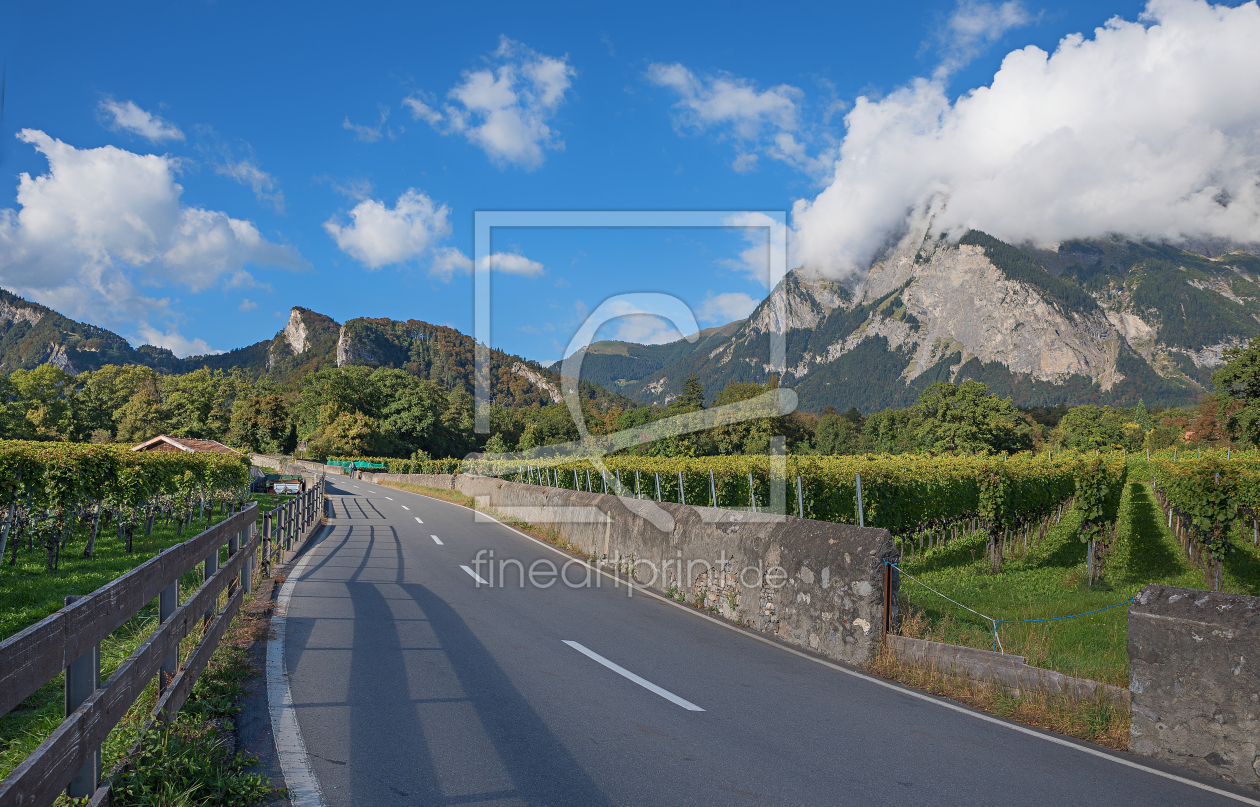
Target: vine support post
(83,677)
(800,498)
(682,494)
(860,514)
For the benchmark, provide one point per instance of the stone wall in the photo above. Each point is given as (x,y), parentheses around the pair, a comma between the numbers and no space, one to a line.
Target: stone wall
(1012,672)
(811,583)
(1194,667)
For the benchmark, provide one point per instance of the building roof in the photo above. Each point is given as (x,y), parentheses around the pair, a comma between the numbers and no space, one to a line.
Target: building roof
(165,442)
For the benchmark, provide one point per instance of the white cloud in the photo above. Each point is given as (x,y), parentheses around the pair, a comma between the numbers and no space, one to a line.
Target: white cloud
(371,134)
(754,260)
(247,305)
(176,343)
(103,221)
(449,261)
(726,307)
(378,235)
(504,108)
(768,120)
(632,323)
(513,264)
(129,117)
(643,329)
(247,172)
(1149,129)
(972,27)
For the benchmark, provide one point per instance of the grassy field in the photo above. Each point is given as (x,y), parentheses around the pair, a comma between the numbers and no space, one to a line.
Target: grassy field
(1048,581)
(28,593)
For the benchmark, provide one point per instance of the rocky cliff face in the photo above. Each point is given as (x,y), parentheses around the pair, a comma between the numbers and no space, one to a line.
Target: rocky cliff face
(1114,322)
(295,332)
(539,380)
(964,303)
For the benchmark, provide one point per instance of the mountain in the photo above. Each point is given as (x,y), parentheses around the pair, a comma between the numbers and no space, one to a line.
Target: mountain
(32,334)
(1091,321)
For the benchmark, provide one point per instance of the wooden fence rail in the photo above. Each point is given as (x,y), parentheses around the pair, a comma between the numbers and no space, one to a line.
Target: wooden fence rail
(69,640)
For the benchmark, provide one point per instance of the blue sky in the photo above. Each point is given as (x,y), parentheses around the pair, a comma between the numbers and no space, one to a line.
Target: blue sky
(332,156)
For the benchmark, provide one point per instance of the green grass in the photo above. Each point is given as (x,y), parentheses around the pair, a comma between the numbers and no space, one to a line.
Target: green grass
(1048,581)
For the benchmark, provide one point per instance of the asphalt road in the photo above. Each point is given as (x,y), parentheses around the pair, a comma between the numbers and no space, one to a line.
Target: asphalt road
(413,685)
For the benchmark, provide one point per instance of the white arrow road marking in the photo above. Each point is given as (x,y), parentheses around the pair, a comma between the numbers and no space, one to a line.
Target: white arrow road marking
(617,668)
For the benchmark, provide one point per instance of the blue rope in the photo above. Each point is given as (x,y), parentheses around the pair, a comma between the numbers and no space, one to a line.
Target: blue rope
(1073,616)
(996,622)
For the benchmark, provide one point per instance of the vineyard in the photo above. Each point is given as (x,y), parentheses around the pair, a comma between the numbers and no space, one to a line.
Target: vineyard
(52,493)
(1205,499)
(923,501)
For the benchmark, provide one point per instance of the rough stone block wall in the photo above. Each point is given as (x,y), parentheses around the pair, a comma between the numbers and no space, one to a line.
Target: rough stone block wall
(811,583)
(1194,667)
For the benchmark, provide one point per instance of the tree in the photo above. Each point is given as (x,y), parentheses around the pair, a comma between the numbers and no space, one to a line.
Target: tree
(967,419)
(691,398)
(1240,379)
(143,416)
(1089,426)
(261,423)
(1141,417)
(45,394)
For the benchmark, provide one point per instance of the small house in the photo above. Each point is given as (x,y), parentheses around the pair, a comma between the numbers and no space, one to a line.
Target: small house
(164,442)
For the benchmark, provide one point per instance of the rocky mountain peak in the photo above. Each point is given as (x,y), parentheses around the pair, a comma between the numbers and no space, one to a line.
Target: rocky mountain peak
(295,332)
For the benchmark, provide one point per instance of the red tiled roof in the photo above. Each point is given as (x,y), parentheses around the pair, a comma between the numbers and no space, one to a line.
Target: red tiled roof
(165,442)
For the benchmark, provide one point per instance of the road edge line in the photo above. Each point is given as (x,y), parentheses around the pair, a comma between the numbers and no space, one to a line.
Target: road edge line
(295,763)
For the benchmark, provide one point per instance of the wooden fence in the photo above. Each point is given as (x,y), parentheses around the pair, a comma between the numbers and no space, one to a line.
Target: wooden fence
(69,759)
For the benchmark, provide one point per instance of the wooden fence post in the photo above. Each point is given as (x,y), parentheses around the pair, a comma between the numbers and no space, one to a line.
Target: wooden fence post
(168,601)
(83,677)
(887,600)
(266,545)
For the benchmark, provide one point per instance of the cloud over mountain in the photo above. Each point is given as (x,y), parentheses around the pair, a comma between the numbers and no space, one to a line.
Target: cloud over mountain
(1149,128)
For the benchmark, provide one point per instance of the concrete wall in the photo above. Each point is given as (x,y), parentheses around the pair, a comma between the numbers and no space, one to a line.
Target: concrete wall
(1010,671)
(1194,667)
(810,583)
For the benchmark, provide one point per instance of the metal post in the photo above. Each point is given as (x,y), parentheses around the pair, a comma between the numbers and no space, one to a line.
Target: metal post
(800,498)
(861,515)
(83,677)
(682,494)
(657,474)
(286,520)
(637,493)
(752,493)
(168,601)
(712,490)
